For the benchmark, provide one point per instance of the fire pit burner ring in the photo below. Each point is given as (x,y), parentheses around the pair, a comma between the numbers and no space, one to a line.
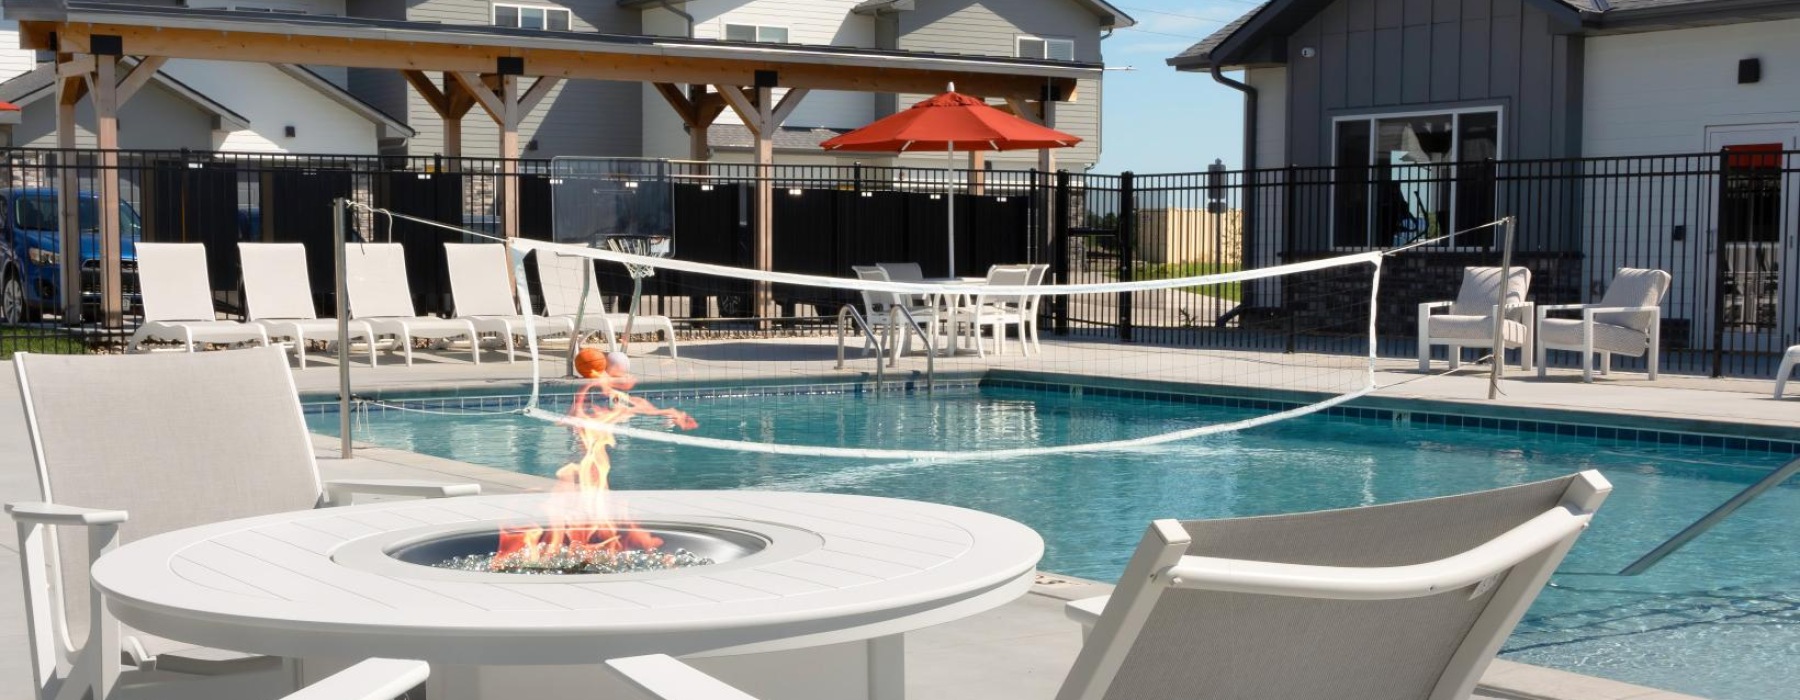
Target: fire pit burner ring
(683,546)
(463,551)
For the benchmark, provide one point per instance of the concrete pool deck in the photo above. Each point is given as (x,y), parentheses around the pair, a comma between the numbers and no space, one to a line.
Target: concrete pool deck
(1021,650)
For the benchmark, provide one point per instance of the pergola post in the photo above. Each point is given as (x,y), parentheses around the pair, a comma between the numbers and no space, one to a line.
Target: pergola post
(978,173)
(763,116)
(103,85)
(499,95)
(69,91)
(450,102)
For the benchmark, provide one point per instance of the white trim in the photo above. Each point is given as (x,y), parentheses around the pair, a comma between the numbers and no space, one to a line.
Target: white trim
(1370,118)
(1048,41)
(494,15)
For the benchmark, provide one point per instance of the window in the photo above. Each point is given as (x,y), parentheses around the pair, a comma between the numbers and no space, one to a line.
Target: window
(1051,49)
(1405,178)
(531,17)
(756,32)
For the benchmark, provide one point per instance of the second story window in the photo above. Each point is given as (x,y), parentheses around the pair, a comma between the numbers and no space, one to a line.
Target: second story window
(756,32)
(1051,49)
(531,17)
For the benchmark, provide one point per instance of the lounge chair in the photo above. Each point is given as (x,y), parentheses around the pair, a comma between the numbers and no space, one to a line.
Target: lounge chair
(381,296)
(1405,601)
(1788,360)
(481,289)
(278,297)
(178,300)
(237,446)
(880,311)
(374,679)
(1470,322)
(1627,321)
(997,311)
(564,285)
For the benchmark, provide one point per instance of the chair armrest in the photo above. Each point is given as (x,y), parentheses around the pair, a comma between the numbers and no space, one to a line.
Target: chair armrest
(339,491)
(1426,307)
(1379,583)
(665,678)
(59,514)
(1086,611)
(375,679)
(1587,311)
(1560,307)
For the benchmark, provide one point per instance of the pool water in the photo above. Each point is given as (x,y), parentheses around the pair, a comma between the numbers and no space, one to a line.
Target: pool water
(1719,619)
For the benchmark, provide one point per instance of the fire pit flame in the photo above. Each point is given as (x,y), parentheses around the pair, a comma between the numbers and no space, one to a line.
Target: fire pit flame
(572,560)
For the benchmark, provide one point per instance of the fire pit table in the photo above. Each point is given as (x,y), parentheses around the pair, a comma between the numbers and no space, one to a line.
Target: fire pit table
(807,594)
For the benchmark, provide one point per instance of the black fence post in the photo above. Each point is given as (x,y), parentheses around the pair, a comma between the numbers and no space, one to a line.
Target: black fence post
(1059,242)
(1127,236)
(1720,268)
(1287,255)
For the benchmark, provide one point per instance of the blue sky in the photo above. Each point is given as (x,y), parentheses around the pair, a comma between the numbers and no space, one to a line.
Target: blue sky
(1158,120)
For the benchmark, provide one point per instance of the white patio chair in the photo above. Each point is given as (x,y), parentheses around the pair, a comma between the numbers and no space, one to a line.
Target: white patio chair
(997,311)
(1032,302)
(1626,321)
(374,679)
(481,289)
(1404,601)
(906,272)
(178,300)
(881,312)
(381,296)
(278,297)
(236,446)
(1470,322)
(564,285)
(1788,359)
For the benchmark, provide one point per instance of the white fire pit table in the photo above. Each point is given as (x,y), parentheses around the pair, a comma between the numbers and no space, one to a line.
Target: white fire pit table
(813,607)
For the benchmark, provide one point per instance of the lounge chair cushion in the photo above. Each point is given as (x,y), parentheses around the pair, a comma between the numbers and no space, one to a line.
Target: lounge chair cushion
(1565,334)
(1481,290)
(1632,287)
(1455,327)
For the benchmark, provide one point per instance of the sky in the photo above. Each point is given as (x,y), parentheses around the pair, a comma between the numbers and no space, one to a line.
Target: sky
(1155,119)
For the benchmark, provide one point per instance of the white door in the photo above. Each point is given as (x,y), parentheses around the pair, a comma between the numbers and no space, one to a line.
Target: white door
(1753,226)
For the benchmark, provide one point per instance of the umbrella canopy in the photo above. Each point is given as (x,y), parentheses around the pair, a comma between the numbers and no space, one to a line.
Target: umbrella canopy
(950,122)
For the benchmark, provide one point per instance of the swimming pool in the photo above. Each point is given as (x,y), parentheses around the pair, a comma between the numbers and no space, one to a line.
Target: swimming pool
(1719,619)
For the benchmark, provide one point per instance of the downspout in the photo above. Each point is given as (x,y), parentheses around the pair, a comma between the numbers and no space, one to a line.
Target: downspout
(670,6)
(1248,230)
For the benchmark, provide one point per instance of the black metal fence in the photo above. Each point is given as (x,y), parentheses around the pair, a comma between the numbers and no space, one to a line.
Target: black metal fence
(1722,224)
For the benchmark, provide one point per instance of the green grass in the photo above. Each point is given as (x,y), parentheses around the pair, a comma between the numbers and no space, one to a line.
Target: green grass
(40,340)
(1232,291)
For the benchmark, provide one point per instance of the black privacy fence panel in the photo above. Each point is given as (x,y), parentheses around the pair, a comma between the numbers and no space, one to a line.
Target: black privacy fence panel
(1722,224)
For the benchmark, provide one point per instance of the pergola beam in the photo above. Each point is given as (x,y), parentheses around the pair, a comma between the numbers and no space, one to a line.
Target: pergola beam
(140,76)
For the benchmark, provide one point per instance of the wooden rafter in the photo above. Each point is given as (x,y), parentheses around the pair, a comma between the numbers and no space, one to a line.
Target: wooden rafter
(536,93)
(683,106)
(428,91)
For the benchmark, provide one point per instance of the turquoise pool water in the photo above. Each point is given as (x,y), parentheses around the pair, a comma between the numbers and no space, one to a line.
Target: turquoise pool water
(1719,619)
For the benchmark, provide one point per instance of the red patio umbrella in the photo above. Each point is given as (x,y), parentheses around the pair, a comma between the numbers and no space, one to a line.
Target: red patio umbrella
(950,122)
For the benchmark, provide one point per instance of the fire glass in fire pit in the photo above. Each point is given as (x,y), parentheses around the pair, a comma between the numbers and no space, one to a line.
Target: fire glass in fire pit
(683,546)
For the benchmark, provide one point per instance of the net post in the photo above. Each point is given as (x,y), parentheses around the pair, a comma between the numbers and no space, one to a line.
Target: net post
(1126,231)
(1500,312)
(339,241)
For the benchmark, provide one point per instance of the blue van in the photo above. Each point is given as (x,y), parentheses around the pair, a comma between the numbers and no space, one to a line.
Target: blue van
(34,240)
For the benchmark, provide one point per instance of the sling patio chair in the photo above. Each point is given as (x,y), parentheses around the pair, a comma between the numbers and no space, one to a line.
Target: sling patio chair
(1626,321)
(481,289)
(381,296)
(882,311)
(567,284)
(278,297)
(178,300)
(237,447)
(1403,601)
(1470,321)
(997,311)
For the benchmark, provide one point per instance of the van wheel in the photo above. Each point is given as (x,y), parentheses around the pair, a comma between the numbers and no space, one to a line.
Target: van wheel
(12,299)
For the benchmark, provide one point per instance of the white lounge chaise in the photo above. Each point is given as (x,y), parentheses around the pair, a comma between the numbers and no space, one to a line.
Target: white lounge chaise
(1403,601)
(1626,321)
(278,297)
(237,446)
(565,287)
(178,300)
(381,296)
(1470,321)
(481,289)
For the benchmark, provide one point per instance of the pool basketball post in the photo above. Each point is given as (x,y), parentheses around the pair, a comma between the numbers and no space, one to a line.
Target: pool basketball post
(338,212)
(1499,358)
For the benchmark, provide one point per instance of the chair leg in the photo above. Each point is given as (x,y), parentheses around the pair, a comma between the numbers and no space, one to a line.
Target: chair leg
(300,347)
(1424,353)
(404,337)
(1606,364)
(1455,352)
(508,336)
(1787,368)
(1587,367)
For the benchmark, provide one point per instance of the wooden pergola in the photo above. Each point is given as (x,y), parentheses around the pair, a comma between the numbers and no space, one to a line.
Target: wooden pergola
(506,72)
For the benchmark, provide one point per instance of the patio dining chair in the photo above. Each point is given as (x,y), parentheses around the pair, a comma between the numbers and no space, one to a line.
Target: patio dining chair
(481,289)
(997,311)
(906,272)
(178,300)
(1403,601)
(278,297)
(375,277)
(1626,321)
(1470,321)
(881,310)
(236,447)
(566,285)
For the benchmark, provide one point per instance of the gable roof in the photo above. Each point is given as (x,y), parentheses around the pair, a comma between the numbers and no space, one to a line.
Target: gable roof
(1111,16)
(345,98)
(1228,45)
(36,84)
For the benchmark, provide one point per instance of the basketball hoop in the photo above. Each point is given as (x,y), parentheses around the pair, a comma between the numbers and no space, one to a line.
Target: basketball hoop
(635,244)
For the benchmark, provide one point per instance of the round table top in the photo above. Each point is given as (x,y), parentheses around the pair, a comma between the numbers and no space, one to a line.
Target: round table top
(847,568)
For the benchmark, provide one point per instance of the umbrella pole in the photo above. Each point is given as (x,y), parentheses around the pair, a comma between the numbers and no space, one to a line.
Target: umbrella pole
(950,194)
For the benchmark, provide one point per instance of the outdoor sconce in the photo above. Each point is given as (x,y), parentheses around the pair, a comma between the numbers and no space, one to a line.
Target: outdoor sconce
(1749,71)
(289,131)
(1308,52)
(794,192)
(531,145)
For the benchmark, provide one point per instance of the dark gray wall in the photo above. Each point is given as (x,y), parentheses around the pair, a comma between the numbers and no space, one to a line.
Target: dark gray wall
(1377,56)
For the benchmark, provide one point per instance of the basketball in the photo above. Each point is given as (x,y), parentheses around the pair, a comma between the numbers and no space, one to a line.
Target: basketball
(590,363)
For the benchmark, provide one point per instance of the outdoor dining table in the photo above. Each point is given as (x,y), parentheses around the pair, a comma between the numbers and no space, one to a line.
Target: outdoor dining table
(819,613)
